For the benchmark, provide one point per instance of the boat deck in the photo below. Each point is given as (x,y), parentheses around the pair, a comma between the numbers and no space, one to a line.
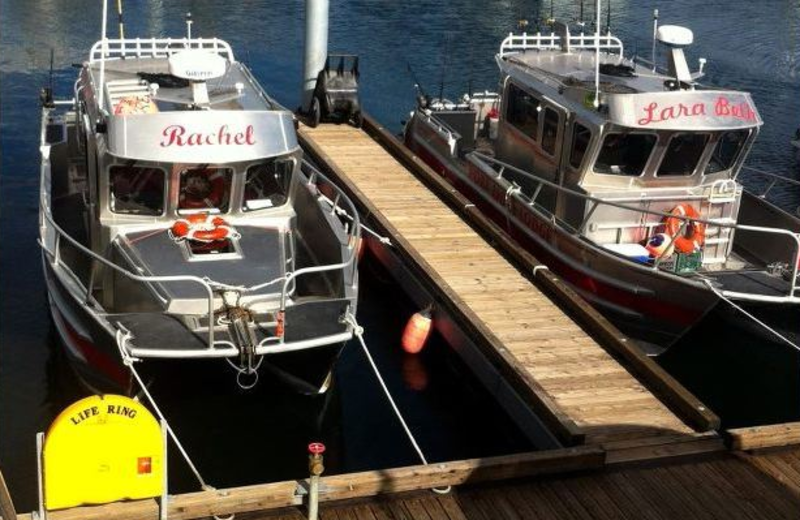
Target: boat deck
(575,380)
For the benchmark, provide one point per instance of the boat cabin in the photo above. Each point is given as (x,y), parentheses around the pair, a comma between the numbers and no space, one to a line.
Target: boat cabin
(637,136)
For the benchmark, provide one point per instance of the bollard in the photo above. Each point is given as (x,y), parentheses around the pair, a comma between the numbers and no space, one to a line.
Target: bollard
(315,468)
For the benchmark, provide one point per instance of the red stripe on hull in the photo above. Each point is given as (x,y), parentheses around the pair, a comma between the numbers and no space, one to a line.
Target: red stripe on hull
(94,356)
(678,318)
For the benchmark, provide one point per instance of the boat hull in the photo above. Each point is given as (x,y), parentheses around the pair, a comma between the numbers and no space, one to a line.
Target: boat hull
(651,306)
(92,350)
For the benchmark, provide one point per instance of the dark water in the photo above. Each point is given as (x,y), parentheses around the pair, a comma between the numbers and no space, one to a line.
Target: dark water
(749,45)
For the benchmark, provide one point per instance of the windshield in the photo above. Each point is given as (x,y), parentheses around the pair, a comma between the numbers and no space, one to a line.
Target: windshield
(267,184)
(205,187)
(683,154)
(729,146)
(136,190)
(625,154)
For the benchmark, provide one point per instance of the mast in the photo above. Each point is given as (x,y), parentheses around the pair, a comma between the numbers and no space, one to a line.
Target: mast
(597,59)
(316,47)
(105,51)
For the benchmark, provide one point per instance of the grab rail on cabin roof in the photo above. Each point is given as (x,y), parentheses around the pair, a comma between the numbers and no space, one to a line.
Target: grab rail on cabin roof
(116,49)
(490,164)
(514,43)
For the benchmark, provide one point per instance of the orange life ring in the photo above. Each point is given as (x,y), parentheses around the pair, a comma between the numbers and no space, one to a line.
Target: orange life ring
(694,233)
(210,199)
(202,227)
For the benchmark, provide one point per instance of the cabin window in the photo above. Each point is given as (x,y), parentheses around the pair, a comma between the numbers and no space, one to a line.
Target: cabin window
(727,150)
(267,184)
(581,136)
(522,111)
(205,187)
(550,131)
(625,154)
(683,154)
(137,190)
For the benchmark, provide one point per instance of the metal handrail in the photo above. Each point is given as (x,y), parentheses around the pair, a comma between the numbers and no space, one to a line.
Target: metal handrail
(514,43)
(115,49)
(493,164)
(774,179)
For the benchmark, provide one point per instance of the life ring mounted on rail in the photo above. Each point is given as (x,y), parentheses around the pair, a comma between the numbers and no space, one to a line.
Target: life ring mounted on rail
(202,227)
(693,236)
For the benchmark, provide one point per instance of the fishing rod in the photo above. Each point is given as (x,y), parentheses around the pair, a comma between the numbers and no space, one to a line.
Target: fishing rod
(120,20)
(423,99)
(444,67)
(608,17)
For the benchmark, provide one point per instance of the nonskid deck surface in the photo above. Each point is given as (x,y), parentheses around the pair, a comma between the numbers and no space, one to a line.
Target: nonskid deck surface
(585,383)
(259,259)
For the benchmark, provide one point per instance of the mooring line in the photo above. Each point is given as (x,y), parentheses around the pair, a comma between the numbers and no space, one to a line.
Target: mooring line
(122,338)
(343,213)
(358,330)
(752,317)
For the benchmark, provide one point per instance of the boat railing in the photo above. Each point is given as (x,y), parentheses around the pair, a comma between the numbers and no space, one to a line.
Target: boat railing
(442,129)
(515,43)
(53,234)
(117,49)
(491,165)
(772,178)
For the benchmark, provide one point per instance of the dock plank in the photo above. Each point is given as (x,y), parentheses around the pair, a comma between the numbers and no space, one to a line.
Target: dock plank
(538,339)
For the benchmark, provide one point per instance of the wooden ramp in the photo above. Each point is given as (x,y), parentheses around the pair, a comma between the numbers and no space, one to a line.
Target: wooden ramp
(580,390)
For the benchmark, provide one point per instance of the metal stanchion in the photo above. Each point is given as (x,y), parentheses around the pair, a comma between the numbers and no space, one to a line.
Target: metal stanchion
(315,468)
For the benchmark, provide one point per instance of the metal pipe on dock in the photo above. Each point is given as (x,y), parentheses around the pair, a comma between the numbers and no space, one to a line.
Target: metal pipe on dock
(315,468)
(316,47)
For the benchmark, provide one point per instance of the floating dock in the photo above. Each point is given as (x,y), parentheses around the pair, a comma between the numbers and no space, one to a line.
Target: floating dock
(580,391)
(631,441)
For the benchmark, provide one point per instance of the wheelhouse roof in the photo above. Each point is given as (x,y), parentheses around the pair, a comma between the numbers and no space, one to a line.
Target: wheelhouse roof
(152,115)
(632,95)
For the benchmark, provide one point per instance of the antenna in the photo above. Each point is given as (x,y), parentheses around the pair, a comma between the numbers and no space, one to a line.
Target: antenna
(121,22)
(52,53)
(444,68)
(655,36)
(596,102)
(189,23)
(608,17)
(105,52)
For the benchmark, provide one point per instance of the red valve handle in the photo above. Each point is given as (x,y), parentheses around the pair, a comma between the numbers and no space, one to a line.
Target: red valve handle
(316,448)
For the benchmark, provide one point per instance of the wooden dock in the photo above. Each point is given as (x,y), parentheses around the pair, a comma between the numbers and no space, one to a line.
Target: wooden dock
(576,386)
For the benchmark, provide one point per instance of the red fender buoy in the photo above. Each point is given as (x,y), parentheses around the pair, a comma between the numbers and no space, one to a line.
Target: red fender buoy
(417,331)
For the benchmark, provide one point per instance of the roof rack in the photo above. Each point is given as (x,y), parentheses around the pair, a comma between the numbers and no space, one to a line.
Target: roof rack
(515,43)
(155,48)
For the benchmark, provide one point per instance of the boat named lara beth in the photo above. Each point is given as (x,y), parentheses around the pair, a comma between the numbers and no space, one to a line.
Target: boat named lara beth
(619,176)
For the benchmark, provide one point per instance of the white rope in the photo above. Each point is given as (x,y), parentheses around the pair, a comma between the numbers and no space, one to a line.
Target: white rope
(743,311)
(122,338)
(358,330)
(342,213)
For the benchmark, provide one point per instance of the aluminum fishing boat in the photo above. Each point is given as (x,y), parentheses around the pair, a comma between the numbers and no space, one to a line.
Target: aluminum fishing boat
(179,220)
(619,176)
